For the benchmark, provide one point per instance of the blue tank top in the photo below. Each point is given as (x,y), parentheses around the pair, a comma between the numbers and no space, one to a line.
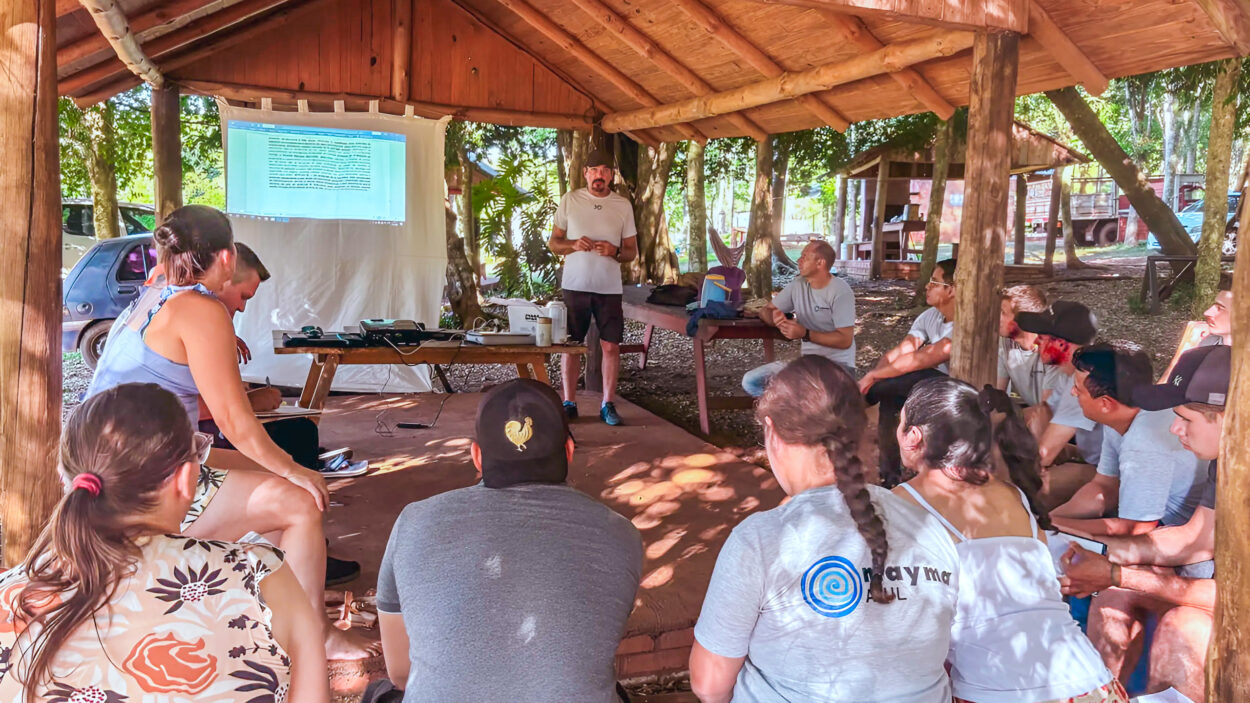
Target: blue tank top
(127,357)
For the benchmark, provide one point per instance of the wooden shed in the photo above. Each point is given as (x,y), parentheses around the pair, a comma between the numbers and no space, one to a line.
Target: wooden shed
(660,70)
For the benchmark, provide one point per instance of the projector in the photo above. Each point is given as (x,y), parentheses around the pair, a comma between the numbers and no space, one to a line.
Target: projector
(382,331)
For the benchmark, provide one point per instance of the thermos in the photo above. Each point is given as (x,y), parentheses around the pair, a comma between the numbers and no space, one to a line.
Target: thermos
(559,321)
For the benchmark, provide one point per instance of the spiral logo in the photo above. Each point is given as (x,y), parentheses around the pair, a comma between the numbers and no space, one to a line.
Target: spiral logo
(832,587)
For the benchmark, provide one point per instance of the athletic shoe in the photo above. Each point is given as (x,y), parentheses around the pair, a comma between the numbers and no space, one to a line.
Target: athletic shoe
(340,571)
(607,413)
(570,409)
(344,468)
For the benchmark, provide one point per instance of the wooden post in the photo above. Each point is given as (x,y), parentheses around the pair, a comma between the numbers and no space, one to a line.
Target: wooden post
(759,245)
(401,58)
(942,147)
(166,150)
(1052,219)
(878,219)
(30,261)
(839,217)
(1022,198)
(1228,668)
(982,236)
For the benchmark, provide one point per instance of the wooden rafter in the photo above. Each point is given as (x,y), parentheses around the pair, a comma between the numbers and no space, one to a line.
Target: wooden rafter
(108,71)
(1059,45)
(1231,19)
(853,30)
(648,49)
(789,85)
(591,60)
(112,24)
(1009,15)
(712,23)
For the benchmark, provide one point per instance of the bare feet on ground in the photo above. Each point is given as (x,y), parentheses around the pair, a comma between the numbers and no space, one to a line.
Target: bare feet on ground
(350,645)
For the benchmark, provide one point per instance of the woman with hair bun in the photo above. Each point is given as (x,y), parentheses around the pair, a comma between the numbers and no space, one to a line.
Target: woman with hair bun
(844,593)
(1014,640)
(179,336)
(111,606)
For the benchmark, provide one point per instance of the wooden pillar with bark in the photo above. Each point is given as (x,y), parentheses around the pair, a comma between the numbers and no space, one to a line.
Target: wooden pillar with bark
(1022,199)
(166,150)
(1052,219)
(839,216)
(878,220)
(1215,210)
(942,147)
(30,281)
(987,175)
(696,209)
(759,244)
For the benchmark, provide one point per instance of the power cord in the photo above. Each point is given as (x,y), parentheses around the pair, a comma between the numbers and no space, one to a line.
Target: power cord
(381,427)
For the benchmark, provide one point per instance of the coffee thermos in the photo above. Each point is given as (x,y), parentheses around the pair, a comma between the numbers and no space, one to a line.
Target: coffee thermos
(559,321)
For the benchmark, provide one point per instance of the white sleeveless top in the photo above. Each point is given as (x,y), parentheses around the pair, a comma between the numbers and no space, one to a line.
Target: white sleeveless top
(1013,639)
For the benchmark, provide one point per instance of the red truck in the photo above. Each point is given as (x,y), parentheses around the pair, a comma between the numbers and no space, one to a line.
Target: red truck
(1099,210)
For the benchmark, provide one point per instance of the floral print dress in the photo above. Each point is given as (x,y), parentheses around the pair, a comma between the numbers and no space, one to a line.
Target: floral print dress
(188,625)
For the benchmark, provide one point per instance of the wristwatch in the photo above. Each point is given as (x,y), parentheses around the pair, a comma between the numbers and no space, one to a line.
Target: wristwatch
(807,336)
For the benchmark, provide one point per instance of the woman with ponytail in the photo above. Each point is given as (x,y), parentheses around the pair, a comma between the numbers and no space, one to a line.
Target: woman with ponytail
(110,605)
(843,593)
(1014,640)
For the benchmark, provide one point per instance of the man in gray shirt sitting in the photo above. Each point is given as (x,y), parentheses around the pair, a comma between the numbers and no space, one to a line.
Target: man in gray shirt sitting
(817,308)
(514,589)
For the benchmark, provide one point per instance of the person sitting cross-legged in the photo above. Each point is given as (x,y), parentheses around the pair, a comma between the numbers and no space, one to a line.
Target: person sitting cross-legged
(922,354)
(1134,579)
(112,604)
(845,592)
(517,588)
(817,308)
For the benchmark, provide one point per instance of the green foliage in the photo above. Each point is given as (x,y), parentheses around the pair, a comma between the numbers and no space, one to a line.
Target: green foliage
(524,264)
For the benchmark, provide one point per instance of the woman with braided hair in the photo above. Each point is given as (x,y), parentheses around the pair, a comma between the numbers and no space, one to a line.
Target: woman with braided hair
(1013,639)
(845,592)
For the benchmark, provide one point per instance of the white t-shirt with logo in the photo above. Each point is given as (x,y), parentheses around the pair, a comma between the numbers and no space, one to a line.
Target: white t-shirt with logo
(607,219)
(932,327)
(790,593)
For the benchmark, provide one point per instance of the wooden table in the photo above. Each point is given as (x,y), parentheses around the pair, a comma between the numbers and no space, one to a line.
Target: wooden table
(674,318)
(530,361)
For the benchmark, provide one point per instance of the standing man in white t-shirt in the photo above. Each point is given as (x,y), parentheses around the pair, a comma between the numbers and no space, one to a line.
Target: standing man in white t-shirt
(594,230)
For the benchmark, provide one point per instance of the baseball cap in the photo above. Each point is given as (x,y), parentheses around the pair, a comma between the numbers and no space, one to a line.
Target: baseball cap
(599,157)
(1063,319)
(521,429)
(1200,376)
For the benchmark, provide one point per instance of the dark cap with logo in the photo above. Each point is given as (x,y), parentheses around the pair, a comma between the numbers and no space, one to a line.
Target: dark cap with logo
(599,157)
(521,430)
(1063,319)
(1200,376)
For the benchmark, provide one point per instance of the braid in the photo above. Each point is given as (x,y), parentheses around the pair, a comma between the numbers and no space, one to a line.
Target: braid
(1018,448)
(849,478)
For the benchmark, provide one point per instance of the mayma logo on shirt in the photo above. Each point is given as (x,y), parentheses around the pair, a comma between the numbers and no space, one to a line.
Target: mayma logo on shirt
(833,587)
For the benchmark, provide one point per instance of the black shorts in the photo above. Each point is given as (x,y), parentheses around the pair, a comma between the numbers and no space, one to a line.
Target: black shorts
(603,307)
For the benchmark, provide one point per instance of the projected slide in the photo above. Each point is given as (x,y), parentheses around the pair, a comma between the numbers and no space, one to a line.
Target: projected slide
(287,171)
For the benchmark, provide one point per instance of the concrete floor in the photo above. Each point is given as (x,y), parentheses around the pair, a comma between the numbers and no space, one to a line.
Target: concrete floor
(683,494)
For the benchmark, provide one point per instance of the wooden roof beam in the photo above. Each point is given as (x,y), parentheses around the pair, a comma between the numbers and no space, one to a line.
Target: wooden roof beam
(853,30)
(1231,19)
(593,61)
(712,23)
(1065,51)
(648,49)
(146,26)
(112,23)
(1002,15)
(788,85)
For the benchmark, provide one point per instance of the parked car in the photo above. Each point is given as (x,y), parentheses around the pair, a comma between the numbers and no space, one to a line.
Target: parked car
(78,227)
(99,287)
(1191,219)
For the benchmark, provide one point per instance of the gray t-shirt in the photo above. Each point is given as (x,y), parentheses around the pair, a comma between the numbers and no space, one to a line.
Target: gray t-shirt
(824,310)
(1159,478)
(930,328)
(1066,410)
(1029,377)
(790,593)
(511,594)
(1204,569)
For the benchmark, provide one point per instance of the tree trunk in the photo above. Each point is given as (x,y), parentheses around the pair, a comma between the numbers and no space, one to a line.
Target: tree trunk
(579,151)
(729,224)
(1170,137)
(461,289)
(1022,200)
(781,170)
(472,247)
(657,262)
(839,216)
(100,169)
(1102,146)
(1052,220)
(759,249)
(696,208)
(166,150)
(983,230)
(854,210)
(1215,207)
(1130,227)
(942,147)
(1070,259)
(564,140)
(878,219)
(30,281)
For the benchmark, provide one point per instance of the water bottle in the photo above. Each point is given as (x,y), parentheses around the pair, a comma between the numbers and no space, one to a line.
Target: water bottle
(559,321)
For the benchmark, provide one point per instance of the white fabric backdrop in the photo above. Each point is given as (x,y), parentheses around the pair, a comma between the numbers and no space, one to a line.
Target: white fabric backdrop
(335,273)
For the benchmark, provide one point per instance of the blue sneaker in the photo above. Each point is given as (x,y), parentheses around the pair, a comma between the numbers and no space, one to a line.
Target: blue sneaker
(607,413)
(570,409)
